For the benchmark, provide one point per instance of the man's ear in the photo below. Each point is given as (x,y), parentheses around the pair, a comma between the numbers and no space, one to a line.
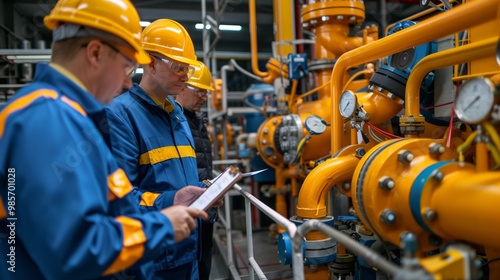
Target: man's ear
(93,52)
(152,64)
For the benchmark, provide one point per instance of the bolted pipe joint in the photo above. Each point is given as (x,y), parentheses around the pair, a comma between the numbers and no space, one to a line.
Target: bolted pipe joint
(386,183)
(388,217)
(405,156)
(430,214)
(437,175)
(436,149)
(346,186)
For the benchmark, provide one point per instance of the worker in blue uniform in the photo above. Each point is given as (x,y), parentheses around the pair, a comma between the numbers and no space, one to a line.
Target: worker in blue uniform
(151,138)
(66,209)
(192,99)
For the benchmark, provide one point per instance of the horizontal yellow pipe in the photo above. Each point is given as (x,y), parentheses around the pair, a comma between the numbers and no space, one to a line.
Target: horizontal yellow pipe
(469,52)
(311,202)
(466,207)
(452,21)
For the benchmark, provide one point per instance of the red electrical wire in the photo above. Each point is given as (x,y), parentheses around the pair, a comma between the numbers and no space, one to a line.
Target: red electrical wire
(435,106)
(384,133)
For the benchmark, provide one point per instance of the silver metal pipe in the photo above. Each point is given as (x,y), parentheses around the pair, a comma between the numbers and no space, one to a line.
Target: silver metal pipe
(271,213)
(363,252)
(229,236)
(258,271)
(248,221)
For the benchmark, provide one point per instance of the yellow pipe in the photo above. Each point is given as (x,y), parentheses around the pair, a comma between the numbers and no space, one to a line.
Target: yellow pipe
(455,20)
(292,96)
(312,91)
(482,157)
(492,133)
(283,12)
(335,38)
(480,192)
(253,39)
(312,196)
(373,101)
(469,52)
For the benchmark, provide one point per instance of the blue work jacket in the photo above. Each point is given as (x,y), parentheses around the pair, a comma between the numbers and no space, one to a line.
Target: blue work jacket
(66,209)
(153,144)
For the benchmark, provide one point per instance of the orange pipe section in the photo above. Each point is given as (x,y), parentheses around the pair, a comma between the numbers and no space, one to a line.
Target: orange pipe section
(458,19)
(473,197)
(469,52)
(335,38)
(311,202)
(253,39)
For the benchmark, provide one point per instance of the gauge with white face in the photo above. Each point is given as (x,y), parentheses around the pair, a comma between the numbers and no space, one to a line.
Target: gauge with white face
(315,125)
(347,104)
(475,100)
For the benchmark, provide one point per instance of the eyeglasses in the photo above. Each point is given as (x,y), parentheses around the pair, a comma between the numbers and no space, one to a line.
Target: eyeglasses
(131,65)
(177,68)
(200,92)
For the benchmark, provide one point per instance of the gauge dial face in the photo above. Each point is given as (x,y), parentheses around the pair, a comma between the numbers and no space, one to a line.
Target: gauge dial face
(315,125)
(347,104)
(475,100)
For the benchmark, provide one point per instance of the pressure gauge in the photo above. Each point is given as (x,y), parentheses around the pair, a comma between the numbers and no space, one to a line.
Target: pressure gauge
(315,125)
(347,104)
(475,100)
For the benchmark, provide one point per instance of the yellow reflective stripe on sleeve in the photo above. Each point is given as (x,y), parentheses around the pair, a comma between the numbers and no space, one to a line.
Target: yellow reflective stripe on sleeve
(148,199)
(74,105)
(118,184)
(23,102)
(3,212)
(133,245)
(165,153)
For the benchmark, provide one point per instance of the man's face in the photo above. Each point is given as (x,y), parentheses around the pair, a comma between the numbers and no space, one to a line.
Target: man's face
(171,74)
(193,98)
(115,73)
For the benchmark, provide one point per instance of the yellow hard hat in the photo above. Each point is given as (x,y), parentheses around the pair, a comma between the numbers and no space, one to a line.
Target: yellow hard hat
(202,78)
(169,38)
(117,17)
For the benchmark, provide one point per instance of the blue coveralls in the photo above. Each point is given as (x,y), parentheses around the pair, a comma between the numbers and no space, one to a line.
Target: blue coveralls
(154,145)
(66,210)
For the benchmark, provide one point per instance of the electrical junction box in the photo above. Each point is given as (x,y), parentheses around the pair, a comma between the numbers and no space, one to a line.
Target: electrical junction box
(297,66)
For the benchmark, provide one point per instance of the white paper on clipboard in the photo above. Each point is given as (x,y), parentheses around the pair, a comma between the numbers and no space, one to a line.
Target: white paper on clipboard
(218,188)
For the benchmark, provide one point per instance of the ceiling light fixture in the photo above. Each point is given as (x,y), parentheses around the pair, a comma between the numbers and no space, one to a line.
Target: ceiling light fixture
(224,27)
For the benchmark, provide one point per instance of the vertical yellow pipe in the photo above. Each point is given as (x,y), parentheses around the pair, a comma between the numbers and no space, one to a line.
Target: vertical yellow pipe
(253,39)
(481,157)
(452,21)
(284,25)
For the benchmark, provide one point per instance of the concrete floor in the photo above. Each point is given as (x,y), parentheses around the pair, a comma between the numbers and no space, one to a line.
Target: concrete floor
(265,253)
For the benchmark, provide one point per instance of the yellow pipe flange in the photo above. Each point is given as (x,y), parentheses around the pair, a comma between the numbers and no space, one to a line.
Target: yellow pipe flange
(350,12)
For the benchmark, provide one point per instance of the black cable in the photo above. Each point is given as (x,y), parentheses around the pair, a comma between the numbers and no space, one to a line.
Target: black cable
(490,261)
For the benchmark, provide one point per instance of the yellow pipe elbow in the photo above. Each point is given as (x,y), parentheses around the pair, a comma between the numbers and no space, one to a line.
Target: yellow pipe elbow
(335,38)
(253,39)
(459,18)
(373,101)
(311,201)
(469,52)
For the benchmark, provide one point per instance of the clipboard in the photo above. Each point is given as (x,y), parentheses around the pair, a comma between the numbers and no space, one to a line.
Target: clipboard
(217,189)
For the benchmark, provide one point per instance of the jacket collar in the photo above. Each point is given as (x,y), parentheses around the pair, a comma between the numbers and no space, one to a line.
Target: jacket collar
(68,86)
(168,105)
